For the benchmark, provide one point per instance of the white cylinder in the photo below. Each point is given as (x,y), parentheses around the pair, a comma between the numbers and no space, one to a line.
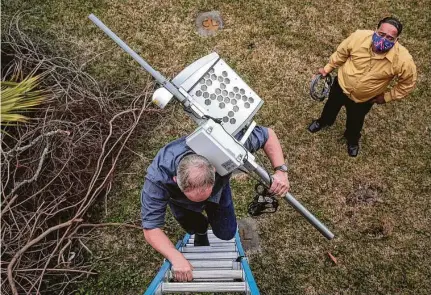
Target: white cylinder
(161,97)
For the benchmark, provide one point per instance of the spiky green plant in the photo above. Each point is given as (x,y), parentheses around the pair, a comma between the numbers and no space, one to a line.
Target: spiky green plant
(18,98)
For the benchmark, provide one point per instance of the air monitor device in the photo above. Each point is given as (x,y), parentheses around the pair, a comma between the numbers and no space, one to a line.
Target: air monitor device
(222,105)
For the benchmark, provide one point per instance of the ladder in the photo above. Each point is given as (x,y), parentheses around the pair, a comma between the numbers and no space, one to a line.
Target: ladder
(221,267)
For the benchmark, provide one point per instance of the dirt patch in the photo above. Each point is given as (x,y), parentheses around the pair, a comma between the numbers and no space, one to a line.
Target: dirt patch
(364,194)
(249,235)
(382,229)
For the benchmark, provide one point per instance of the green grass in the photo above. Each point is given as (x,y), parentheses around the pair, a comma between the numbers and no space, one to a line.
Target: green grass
(382,247)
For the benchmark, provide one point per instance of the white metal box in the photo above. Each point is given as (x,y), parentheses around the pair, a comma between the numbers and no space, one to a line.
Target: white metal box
(211,141)
(219,92)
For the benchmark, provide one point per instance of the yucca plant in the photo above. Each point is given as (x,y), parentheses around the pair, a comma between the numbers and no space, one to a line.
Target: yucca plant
(18,98)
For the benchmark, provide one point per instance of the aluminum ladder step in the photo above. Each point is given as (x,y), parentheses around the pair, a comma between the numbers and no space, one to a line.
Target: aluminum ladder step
(225,264)
(227,274)
(210,256)
(167,288)
(213,241)
(208,249)
(219,268)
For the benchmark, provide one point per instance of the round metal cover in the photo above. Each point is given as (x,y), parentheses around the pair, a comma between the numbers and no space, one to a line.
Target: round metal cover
(209,23)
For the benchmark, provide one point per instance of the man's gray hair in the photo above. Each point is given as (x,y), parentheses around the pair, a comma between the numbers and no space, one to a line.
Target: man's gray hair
(194,172)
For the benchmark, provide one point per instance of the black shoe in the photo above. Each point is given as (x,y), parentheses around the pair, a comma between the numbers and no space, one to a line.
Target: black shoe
(353,149)
(201,239)
(315,126)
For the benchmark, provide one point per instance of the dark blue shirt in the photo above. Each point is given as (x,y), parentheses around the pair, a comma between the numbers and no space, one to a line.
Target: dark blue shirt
(160,187)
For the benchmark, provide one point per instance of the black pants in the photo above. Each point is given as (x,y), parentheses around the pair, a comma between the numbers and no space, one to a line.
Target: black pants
(356,112)
(221,217)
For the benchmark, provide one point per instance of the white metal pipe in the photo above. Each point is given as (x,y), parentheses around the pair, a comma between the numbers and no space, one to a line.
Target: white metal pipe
(161,79)
(295,204)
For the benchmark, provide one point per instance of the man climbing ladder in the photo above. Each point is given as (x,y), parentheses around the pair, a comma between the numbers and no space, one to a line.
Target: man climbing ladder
(189,184)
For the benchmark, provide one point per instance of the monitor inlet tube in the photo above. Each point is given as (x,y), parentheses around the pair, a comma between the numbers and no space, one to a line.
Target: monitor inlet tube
(156,75)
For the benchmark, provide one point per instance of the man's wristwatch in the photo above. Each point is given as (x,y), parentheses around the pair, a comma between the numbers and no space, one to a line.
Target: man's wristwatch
(281,168)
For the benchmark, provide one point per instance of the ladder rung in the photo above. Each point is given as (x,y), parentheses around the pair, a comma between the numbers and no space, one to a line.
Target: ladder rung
(217,274)
(213,245)
(214,280)
(210,235)
(229,264)
(211,268)
(216,255)
(207,249)
(214,240)
(203,287)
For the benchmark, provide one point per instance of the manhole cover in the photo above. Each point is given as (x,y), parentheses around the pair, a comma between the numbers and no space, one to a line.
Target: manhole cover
(208,23)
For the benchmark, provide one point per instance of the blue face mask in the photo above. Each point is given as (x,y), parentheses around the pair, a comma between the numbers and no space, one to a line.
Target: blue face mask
(381,44)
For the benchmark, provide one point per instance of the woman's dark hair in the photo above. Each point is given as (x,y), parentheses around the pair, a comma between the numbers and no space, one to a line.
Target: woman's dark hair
(392,21)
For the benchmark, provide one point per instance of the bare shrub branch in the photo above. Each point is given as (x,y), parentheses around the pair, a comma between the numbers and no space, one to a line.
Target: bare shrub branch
(57,165)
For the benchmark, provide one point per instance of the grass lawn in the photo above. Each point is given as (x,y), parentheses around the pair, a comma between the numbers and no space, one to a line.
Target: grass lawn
(378,205)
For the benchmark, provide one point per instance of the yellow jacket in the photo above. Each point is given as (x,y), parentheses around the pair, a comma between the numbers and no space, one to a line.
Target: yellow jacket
(363,74)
